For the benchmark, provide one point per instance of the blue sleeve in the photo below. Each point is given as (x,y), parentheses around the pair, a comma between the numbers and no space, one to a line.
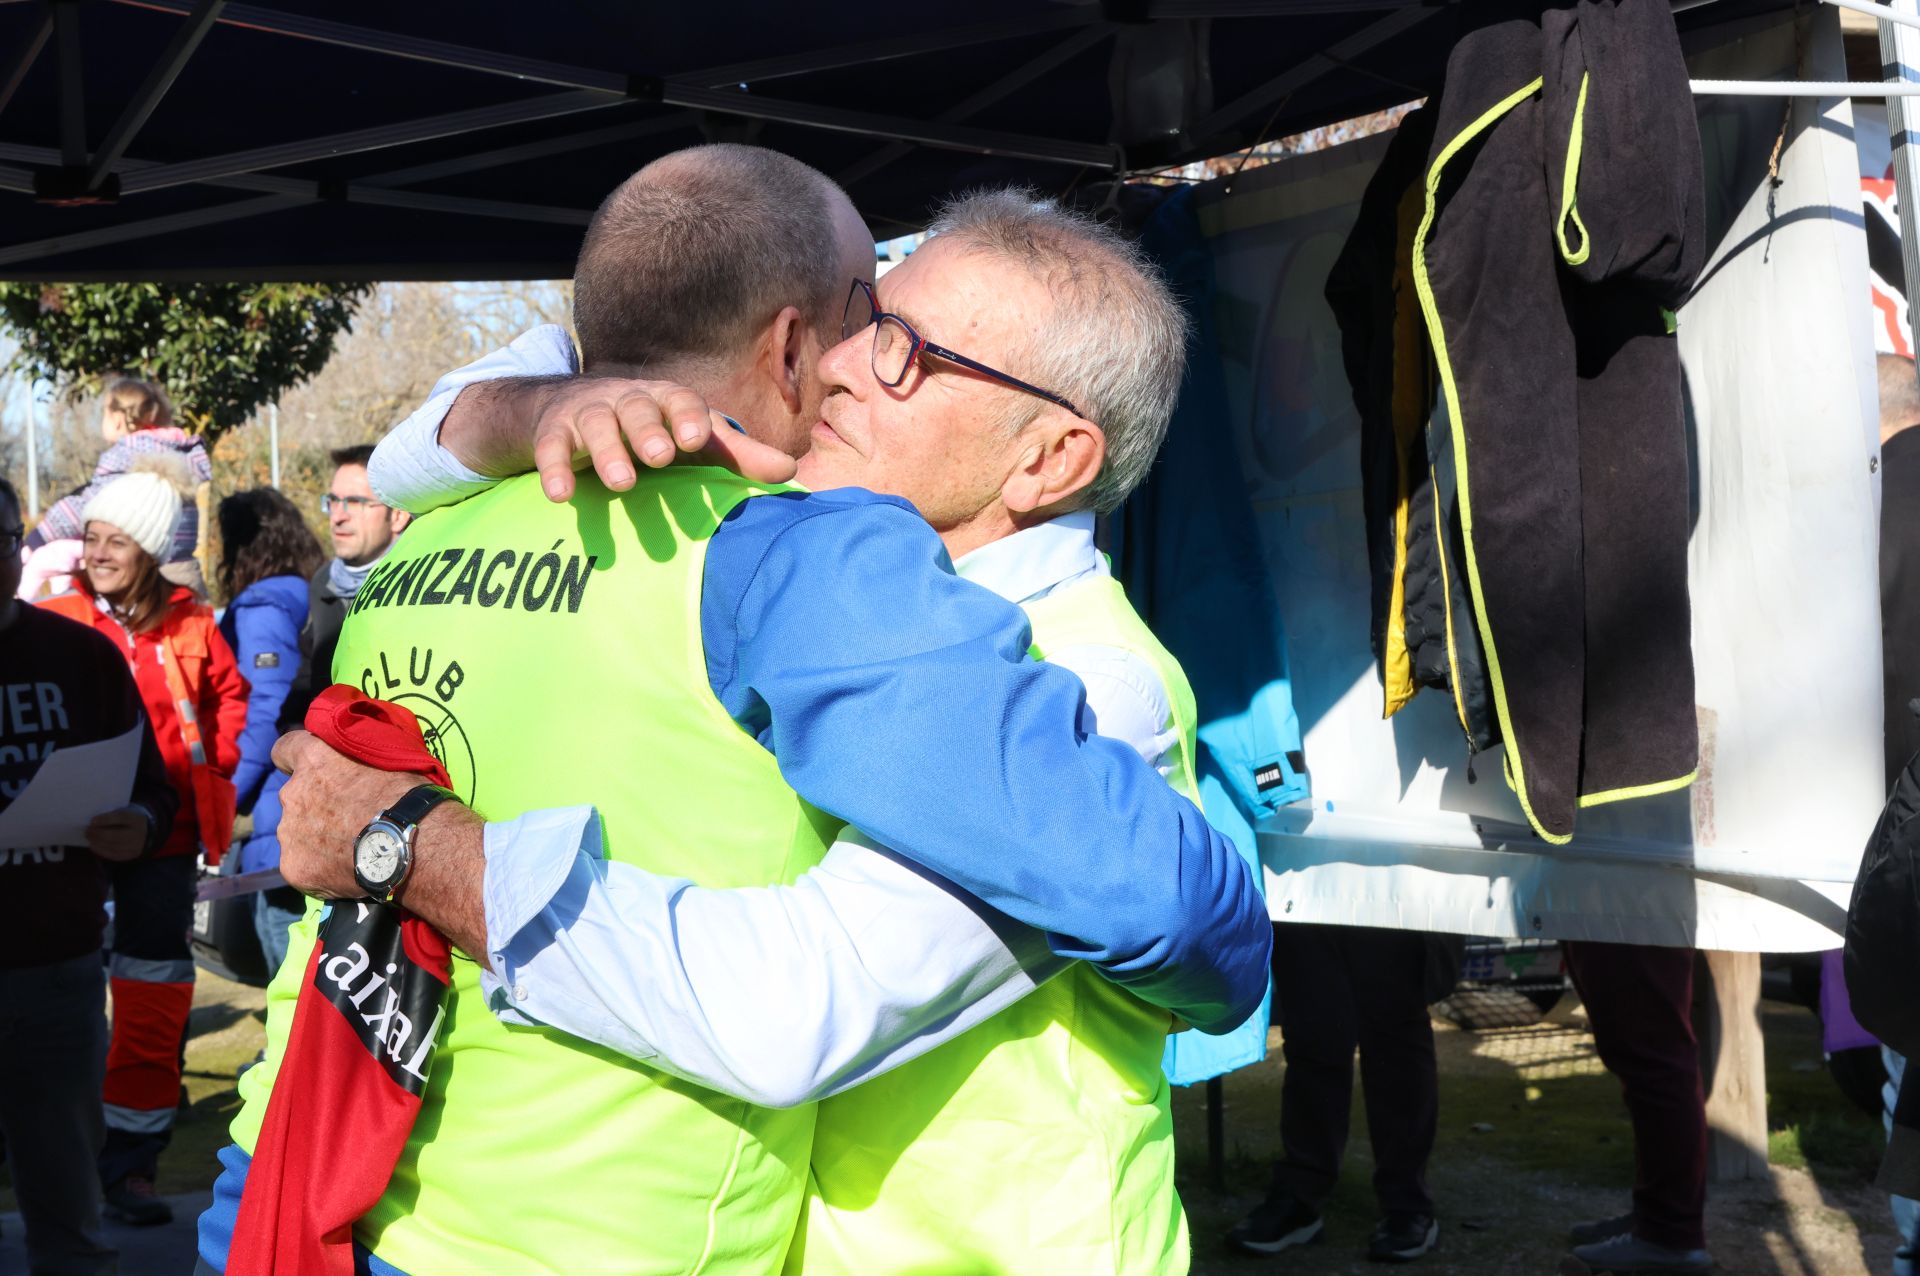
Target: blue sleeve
(218,1220)
(901,699)
(265,633)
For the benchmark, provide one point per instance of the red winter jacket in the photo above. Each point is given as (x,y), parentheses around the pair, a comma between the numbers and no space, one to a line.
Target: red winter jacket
(211,673)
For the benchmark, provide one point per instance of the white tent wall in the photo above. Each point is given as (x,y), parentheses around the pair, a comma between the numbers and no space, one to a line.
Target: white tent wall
(1783,564)
(1784,558)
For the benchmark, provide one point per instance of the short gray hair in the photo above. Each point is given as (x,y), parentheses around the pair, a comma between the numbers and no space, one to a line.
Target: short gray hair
(694,254)
(1116,343)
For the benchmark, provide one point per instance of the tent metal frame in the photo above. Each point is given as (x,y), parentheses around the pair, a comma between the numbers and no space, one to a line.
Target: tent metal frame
(727,90)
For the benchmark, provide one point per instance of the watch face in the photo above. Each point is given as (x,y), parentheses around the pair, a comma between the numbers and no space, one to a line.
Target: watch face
(376,857)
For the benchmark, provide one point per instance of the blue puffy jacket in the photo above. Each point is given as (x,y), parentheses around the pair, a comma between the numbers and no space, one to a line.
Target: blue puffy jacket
(262,626)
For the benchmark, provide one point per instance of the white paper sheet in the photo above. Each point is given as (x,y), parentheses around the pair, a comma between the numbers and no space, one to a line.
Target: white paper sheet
(71,787)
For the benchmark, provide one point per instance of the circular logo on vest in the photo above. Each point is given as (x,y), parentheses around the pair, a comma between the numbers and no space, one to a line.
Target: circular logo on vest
(445,740)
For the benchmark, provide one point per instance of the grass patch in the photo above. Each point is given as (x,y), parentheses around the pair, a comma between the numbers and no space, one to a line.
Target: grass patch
(1811,1124)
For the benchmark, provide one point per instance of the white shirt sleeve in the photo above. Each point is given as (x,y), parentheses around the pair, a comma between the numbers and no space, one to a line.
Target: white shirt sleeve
(411,471)
(782,994)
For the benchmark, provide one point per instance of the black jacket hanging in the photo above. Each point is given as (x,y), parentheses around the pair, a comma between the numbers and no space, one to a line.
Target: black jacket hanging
(1560,222)
(1422,625)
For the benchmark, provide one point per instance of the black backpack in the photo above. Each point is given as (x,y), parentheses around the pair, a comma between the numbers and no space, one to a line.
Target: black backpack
(1883,922)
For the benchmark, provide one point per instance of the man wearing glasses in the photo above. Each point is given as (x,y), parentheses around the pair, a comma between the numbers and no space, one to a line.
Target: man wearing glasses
(363,530)
(1035,1143)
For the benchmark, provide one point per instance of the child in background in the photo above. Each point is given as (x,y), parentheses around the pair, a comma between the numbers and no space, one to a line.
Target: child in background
(137,420)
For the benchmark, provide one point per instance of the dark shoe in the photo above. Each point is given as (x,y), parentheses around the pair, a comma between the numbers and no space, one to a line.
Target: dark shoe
(1277,1223)
(133,1200)
(1401,1238)
(1600,1229)
(1628,1255)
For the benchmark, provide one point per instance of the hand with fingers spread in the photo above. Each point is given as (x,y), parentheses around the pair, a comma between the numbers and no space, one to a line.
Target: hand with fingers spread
(558,426)
(611,422)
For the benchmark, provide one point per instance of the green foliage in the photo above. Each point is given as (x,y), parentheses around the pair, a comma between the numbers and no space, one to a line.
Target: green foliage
(222,350)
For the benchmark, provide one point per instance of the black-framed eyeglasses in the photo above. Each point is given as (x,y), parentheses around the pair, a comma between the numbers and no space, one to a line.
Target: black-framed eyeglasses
(351,504)
(896,345)
(11,538)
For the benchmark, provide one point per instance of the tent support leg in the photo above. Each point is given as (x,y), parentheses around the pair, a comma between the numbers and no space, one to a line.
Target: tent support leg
(1216,1135)
(1899,61)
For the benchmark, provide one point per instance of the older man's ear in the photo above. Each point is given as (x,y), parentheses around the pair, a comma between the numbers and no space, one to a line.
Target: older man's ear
(1060,455)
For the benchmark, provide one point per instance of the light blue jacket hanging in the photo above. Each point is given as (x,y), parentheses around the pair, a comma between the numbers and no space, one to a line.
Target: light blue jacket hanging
(1189,554)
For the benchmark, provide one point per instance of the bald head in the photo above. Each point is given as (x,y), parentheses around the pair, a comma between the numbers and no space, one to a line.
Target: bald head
(691,257)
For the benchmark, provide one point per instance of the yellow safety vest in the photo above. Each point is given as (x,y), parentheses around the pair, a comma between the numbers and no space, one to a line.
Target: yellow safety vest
(553,656)
(1041,1141)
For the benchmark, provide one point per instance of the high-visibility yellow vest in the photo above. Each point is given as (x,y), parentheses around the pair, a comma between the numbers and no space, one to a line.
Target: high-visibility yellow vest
(1041,1141)
(553,655)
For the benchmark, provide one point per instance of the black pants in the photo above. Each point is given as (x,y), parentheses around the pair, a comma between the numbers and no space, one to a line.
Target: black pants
(53,1037)
(1335,988)
(1640,1003)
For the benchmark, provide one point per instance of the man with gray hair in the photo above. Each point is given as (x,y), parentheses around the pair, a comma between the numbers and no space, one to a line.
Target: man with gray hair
(786,995)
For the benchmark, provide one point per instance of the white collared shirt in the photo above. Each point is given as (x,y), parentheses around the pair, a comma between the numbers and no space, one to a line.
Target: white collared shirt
(781,994)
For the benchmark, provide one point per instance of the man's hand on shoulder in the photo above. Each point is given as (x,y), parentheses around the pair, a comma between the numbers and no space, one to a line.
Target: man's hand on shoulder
(611,422)
(608,423)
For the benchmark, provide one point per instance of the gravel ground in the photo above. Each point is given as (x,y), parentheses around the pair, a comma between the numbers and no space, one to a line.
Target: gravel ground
(1558,1151)
(1533,1137)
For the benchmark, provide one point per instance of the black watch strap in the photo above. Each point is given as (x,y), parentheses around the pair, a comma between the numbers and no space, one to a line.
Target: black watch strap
(415,803)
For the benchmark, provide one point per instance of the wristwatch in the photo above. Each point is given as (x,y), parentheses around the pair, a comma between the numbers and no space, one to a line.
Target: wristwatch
(383,853)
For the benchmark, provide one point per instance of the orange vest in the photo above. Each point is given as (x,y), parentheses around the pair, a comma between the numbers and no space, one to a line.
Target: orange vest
(212,677)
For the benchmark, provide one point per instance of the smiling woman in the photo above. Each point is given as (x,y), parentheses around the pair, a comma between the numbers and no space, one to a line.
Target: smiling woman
(195,699)
(124,576)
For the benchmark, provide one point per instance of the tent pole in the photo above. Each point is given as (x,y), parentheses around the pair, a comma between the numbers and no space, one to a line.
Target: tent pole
(1879,11)
(73,97)
(1012,82)
(1899,55)
(24,60)
(1804,88)
(172,61)
(1216,1135)
(33,454)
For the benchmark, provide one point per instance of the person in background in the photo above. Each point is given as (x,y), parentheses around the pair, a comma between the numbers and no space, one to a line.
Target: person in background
(1639,1001)
(1900,657)
(1336,988)
(197,702)
(362,529)
(267,555)
(136,420)
(60,686)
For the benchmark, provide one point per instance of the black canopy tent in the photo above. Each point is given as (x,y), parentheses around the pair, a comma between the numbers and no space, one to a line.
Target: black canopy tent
(345,139)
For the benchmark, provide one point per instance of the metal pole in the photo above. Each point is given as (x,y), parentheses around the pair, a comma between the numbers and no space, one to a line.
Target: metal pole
(33,456)
(1900,56)
(1802,88)
(1873,9)
(1216,1135)
(273,440)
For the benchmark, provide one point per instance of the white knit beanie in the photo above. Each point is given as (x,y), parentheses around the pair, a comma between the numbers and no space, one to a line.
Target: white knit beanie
(144,503)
